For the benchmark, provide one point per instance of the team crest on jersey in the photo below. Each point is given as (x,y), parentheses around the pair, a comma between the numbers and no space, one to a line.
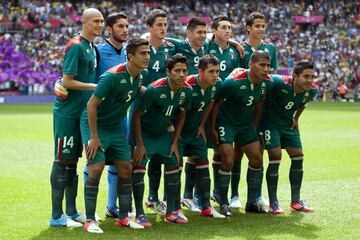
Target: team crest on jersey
(123,81)
(263,87)
(163,95)
(305,100)
(194,94)
(87,51)
(232,56)
(246,53)
(266,50)
(243,87)
(307,94)
(212,51)
(284,91)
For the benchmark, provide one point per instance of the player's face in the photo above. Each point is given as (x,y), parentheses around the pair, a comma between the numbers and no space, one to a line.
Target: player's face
(141,58)
(305,79)
(223,31)
(120,30)
(260,68)
(94,24)
(211,74)
(197,36)
(178,74)
(159,28)
(257,29)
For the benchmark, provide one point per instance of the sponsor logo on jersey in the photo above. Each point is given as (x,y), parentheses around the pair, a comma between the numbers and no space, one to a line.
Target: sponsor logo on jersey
(246,53)
(306,94)
(66,151)
(266,50)
(163,95)
(263,87)
(212,51)
(123,81)
(87,51)
(284,91)
(194,94)
(182,95)
(243,87)
(232,56)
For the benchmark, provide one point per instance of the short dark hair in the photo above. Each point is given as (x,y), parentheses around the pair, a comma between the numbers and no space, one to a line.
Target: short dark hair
(194,22)
(302,65)
(259,55)
(177,58)
(134,43)
(113,17)
(151,17)
(207,60)
(252,16)
(217,20)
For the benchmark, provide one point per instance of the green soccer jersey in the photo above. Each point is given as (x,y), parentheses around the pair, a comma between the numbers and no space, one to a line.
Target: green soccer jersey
(200,99)
(229,58)
(240,97)
(117,89)
(80,61)
(282,103)
(158,61)
(158,103)
(268,47)
(193,57)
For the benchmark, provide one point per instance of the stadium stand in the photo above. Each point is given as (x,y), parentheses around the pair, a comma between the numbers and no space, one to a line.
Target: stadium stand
(34,33)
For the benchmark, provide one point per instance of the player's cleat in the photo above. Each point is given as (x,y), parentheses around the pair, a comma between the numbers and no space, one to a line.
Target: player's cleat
(91,227)
(112,213)
(275,208)
(64,221)
(97,218)
(225,210)
(211,212)
(300,206)
(257,207)
(158,207)
(127,222)
(215,197)
(78,217)
(175,217)
(190,204)
(197,201)
(181,213)
(263,201)
(132,213)
(143,221)
(235,202)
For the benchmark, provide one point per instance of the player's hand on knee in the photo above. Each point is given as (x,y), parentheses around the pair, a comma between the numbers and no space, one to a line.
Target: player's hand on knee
(174,150)
(139,154)
(93,145)
(201,133)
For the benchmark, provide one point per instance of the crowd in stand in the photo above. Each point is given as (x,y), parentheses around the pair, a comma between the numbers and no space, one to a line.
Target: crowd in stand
(41,29)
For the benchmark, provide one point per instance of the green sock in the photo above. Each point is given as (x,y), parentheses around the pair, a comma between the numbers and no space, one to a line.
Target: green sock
(254,177)
(295,176)
(272,177)
(124,189)
(154,174)
(57,180)
(190,179)
(235,178)
(172,189)
(177,201)
(91,192)
(203,182)
(216,163)
(224,185)
(138,188)
(71,189)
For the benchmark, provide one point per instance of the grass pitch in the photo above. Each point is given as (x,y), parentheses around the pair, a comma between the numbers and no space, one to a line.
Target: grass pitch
(331,140)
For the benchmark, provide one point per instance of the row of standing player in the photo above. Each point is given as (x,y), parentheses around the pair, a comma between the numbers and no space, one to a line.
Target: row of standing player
(95,172)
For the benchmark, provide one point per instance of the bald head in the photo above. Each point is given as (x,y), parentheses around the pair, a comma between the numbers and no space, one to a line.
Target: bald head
(89,12)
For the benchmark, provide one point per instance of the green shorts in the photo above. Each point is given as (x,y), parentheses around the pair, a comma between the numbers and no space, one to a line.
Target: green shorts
(159,147)
(229,134)
(113,141)
(67,138)
(280,137)
(192,146)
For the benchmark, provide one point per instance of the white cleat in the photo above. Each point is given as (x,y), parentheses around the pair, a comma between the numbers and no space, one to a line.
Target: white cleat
(127,222)
(91,227)
(235,202)
(97,218)
(72,223)
(189,203)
